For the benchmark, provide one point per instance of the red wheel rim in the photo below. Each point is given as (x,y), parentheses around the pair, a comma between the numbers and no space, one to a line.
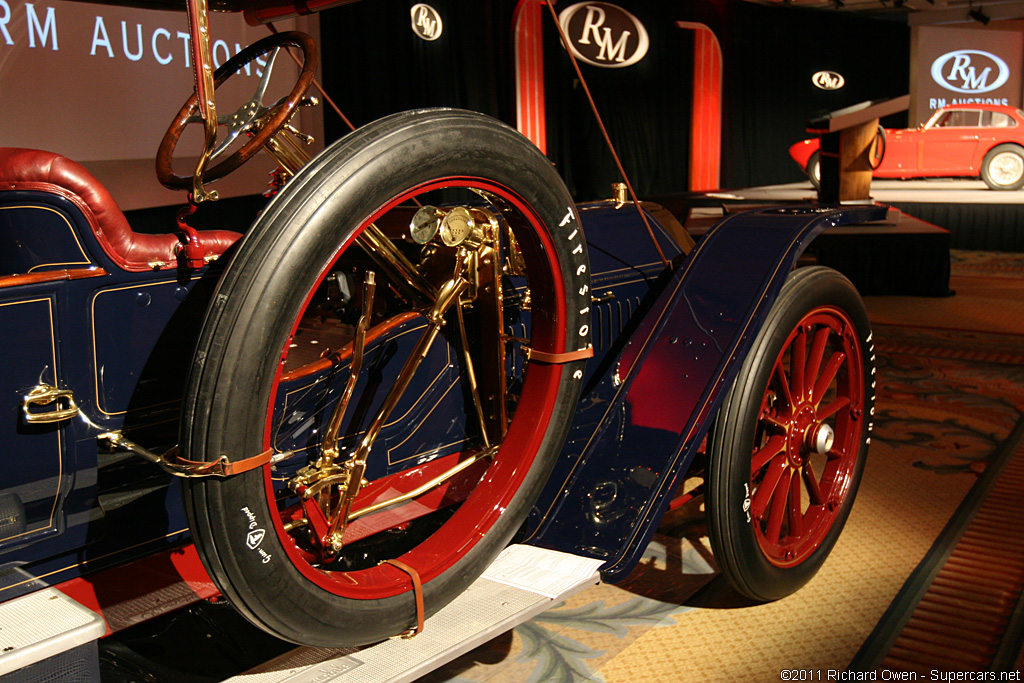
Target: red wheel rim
(808,437)
(493,493)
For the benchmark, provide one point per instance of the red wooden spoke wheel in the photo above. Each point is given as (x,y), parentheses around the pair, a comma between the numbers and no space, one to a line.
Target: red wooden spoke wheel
(279,347)
(810,432)
(789,445)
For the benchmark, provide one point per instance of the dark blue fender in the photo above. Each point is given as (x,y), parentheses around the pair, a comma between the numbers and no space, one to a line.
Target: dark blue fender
(638,428)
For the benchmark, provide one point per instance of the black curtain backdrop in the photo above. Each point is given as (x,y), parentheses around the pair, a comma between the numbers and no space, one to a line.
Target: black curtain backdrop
(374,65)
(770,54)
(645,107)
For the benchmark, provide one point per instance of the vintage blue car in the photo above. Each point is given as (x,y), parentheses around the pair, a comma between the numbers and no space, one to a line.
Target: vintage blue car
(420,350)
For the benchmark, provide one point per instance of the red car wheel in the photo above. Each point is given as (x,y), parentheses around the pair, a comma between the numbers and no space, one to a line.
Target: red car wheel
(789,445)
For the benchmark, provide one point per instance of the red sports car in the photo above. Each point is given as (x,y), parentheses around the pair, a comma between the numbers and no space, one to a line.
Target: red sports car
(959,140)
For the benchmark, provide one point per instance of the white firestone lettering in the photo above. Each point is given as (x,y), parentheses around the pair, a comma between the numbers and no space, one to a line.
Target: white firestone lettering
(565,221)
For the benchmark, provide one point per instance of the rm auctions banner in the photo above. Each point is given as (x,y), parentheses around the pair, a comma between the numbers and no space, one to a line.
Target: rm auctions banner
(962,66)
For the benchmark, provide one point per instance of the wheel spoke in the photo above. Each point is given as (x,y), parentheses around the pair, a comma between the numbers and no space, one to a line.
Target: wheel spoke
(779,507)
(796,515)
(817,355)
(811,482)
(766,452)
(832,408)
(797,363)
(782,385)
(766,490)
(828,374)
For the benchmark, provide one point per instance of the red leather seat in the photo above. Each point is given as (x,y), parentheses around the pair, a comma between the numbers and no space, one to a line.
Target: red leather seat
(31,169)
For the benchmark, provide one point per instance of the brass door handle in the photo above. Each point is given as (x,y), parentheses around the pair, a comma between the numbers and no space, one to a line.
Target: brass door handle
(43,395)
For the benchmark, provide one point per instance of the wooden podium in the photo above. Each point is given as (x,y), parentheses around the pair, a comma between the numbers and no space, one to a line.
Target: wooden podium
(852,145)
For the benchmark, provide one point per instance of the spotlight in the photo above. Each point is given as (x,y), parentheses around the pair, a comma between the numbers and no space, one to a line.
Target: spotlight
(979,16)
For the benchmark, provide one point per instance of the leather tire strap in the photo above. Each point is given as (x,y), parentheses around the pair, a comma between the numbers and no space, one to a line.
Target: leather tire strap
(222,467)
(417,589)
(558,358)
(256,461)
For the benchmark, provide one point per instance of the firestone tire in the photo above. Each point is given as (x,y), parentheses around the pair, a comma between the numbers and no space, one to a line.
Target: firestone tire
(788,447)
(257,537)
(1003,167)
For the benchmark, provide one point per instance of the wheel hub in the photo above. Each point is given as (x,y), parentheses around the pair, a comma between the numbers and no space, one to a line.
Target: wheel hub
(800,434)
(820,438)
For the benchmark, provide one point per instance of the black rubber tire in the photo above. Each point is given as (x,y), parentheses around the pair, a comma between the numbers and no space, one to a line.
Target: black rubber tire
(814,170)
(254,310)
(732,488)
(1016,154)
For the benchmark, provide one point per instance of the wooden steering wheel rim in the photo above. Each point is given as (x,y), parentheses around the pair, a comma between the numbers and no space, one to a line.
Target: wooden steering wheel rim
(281,114)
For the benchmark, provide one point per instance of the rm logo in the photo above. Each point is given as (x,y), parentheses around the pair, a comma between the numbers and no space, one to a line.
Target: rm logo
(426,22)
(603,34)
(970,71)
(828,80)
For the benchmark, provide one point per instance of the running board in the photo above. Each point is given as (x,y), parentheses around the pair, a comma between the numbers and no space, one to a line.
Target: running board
(42,625)
(523,582)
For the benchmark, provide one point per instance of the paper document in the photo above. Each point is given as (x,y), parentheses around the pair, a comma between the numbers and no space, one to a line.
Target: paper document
(545,572)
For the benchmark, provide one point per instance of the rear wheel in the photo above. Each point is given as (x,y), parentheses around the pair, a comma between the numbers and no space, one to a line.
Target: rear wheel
(788,447)
(814,170)
(372,332)
(1003,168)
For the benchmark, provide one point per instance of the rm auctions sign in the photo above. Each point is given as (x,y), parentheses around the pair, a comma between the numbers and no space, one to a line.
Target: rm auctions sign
(603,34)
(964,66)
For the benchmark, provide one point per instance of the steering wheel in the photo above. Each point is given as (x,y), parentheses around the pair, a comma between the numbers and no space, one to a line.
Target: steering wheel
(274,116)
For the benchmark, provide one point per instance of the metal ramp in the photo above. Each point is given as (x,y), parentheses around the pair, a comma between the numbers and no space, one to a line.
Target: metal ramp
(43,625)
(521,583)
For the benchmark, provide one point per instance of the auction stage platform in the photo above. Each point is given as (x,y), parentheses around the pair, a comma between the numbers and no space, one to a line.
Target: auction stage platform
(906,255)
(978,218)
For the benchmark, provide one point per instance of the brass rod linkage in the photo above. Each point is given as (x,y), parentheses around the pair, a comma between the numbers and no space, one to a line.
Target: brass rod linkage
(330,442)
(423,488)
(448,295)
(399,269)
(202,65)
(474,390)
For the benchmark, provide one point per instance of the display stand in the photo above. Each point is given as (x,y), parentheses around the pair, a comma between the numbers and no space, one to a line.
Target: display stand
(851,148)
(523,582)
(38,629)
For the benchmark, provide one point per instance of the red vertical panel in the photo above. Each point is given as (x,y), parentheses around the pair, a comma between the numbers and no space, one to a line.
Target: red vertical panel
(529,47)
(706,121)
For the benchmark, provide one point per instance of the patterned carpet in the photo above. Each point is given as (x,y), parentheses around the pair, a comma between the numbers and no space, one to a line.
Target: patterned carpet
(949,400)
